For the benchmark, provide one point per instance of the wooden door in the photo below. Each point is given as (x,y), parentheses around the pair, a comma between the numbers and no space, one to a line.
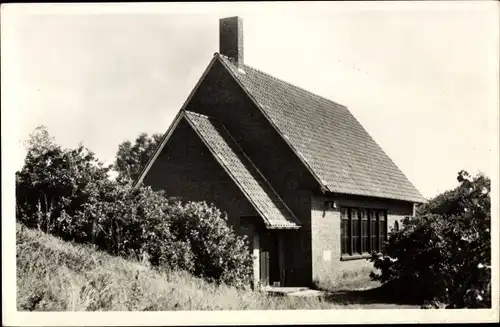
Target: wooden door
(269,259)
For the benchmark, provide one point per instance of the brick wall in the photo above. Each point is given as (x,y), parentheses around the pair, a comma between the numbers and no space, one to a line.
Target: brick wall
(187,169)
(325,231)
(220,96)
(298,243)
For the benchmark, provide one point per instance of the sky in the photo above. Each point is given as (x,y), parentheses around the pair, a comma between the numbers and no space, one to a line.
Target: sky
(421,77)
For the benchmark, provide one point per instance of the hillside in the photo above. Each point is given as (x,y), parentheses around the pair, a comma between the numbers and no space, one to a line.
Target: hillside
(53,275)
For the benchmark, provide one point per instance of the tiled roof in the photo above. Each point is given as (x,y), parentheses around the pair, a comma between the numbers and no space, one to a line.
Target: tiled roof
(327,137)
(255,187)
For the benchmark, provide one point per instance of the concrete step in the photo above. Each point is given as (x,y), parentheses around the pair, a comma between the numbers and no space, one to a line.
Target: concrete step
(292,291)
(307,293)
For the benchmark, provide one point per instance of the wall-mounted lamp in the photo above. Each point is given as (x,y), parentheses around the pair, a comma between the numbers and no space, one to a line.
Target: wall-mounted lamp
(329,204)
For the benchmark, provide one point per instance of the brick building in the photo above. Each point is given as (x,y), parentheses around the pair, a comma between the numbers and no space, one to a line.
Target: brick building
(294,171)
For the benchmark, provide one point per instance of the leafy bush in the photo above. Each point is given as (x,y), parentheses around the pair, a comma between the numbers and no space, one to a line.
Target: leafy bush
(67,193)
(133,223)
(191,236)
(444,253)
(220,255)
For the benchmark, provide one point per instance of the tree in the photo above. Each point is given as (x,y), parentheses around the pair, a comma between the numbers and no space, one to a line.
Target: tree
(131,159)
(39,142)
(55,180)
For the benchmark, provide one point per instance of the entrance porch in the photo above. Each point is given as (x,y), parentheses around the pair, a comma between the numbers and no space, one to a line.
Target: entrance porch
(267,246)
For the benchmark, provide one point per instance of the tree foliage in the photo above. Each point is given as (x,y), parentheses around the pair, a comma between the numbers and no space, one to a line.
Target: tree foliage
(55,180)
(67,192)
(39,141)
(444,253)
(131,158)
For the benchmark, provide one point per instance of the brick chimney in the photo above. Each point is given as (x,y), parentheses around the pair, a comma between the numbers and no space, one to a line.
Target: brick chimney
(231,39)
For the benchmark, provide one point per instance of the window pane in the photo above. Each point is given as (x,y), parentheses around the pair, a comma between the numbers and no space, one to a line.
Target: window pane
(344,213)
(363,213)
(381,214)
(344,226)
(346,243)
(382,229)
(354,213)
(356,232)
(364,230)
(373,231)
(382,224)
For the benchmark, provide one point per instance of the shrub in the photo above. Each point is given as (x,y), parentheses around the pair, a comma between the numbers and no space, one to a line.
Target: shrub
(67,193)
(191,236)
(444,253)
(134,222)
(219,254)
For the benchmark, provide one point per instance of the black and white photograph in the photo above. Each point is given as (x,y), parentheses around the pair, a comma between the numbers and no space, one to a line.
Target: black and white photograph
(260,162)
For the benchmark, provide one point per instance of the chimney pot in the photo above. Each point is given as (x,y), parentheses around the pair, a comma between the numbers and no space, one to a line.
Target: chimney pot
(231,39)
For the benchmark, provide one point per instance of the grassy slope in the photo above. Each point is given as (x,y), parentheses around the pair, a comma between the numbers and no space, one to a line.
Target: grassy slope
(54,275)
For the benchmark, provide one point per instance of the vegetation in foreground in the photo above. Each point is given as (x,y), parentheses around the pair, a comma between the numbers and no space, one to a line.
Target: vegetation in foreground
(68,193)
(54,275)
(443,255)
(352,279)
(131,248)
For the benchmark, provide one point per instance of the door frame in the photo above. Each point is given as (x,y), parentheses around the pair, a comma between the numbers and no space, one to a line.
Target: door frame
(274,264)
(257,232)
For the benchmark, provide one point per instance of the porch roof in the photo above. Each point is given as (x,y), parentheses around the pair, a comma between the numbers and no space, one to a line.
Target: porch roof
(247,177)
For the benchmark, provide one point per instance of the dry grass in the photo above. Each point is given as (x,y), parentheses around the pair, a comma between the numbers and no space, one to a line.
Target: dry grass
(357,279)
(354,286)
(53,275)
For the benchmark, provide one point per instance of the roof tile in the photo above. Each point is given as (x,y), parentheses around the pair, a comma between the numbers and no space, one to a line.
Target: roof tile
(258,191)
(339,151)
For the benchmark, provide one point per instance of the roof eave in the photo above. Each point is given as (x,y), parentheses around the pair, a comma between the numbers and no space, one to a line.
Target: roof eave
(274,227)
(410,199)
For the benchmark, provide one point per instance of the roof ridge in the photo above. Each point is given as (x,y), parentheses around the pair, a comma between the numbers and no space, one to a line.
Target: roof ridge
(288,83)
